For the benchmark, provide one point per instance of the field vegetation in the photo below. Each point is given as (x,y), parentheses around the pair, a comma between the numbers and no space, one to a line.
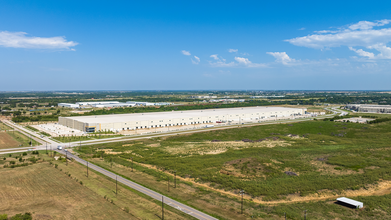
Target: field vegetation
(273,164)
(50,189)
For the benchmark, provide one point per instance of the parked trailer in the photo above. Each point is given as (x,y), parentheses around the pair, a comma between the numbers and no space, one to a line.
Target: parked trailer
(350,202)
(209,126)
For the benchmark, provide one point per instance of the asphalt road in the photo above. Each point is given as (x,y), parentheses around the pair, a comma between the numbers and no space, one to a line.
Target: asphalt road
(167,201)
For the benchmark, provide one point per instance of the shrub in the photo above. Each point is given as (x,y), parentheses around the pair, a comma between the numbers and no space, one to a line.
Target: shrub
(126,209)
(81,183)
(4,217)
(55,165)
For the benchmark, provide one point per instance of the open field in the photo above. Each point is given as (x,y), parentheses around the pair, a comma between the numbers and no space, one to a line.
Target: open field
(278,166)
(12,139)
(65,192)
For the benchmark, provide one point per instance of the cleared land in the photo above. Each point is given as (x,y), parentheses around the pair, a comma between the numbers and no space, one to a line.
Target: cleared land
(64,192)
(278,166)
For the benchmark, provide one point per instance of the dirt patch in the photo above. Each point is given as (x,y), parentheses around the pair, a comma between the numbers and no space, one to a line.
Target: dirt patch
(109,151)
(209,147)
(327,169)
(154,145)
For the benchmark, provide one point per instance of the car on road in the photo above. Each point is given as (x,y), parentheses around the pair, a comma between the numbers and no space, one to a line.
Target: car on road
(65,150)
(59,148)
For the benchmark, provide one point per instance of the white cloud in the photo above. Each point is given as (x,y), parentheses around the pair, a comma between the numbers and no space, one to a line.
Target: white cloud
(187,53)
(282,57)
(214,56)
(243,60)
(365,25)
(363,53)
(222,64)
(302,29)
(196,61)
(233,50)
(361,34)
(20,40)
(248,63)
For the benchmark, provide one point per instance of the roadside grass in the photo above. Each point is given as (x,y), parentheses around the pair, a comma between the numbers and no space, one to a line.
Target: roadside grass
(4,127)
(14,139)
(64,139)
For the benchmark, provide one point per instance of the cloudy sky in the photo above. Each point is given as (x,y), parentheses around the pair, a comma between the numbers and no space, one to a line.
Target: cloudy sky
(181,45)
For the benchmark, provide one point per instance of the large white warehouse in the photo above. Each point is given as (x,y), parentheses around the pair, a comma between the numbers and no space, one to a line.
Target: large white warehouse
(119,122)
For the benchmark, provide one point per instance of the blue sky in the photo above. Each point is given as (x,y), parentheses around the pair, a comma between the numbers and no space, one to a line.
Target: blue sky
(177,45)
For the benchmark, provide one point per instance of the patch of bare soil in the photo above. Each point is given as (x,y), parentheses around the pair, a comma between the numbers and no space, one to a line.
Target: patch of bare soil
(327,169)
(109,151)
(154,145)
(209,147)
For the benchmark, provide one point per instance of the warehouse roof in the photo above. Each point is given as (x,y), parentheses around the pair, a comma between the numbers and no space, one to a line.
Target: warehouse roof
(176,114)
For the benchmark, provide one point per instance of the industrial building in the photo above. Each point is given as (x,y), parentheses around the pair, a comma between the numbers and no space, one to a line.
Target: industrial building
(369,108)
(68,105)
(120,122)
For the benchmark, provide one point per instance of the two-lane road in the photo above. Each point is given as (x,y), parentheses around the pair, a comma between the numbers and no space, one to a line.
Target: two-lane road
(167,201)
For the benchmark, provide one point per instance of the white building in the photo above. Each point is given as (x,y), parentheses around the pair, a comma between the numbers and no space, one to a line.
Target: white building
(96,103)
(68,105)
(119,122)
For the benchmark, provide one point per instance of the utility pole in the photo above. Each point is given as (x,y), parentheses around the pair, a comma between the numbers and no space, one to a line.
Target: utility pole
(175,178)
(242,193)
(162,208)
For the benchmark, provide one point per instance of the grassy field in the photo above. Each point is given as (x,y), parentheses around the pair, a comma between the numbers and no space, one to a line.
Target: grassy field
(52,190)
(274,164)
(12,139)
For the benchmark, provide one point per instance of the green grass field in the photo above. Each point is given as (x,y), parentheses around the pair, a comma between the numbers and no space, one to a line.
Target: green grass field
(328,157)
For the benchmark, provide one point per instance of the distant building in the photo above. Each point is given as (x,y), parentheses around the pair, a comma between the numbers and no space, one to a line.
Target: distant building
(369,108)
(68,105)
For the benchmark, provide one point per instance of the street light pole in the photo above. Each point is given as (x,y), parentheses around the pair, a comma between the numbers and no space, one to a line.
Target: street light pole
(242,193)
(162,208)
